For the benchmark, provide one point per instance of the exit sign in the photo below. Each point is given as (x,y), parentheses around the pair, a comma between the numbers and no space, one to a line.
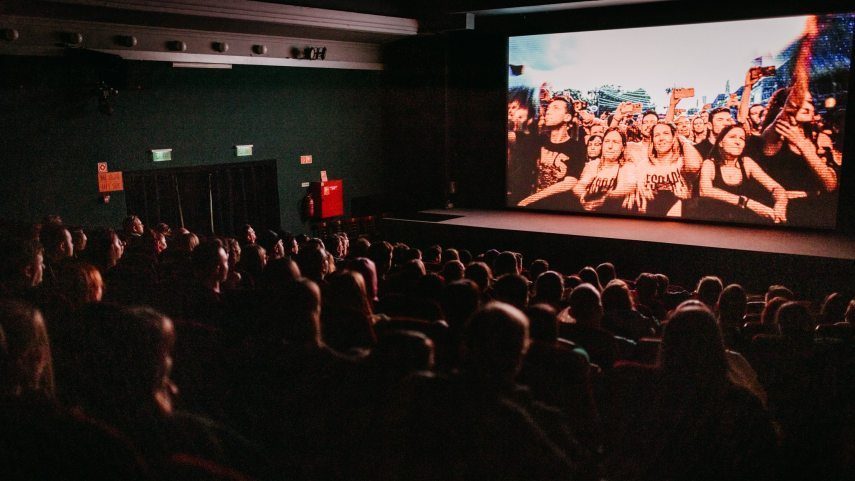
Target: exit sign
(161,155)
(243,150)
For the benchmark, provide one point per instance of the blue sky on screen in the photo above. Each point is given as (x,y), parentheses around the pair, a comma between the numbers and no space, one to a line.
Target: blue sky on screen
(704,56)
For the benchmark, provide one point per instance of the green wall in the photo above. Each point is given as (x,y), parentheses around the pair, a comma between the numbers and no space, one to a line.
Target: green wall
(53,134)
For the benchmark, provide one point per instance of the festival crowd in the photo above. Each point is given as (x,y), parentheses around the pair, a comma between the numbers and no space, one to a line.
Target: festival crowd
(773,162)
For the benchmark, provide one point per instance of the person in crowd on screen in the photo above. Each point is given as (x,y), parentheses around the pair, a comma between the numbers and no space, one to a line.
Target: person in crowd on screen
(593,147)
(744,114)
(730,183)
(608,179)
(649,119)
(756,114)
(598,127)
(561,158)
(665,173)
(594,150)
(793,147)
(719,119)
(522,143)
(801,158)
(684,127)
(699,129)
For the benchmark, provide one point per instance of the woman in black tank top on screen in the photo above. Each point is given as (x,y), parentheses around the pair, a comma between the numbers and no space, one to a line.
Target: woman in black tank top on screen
(730,183)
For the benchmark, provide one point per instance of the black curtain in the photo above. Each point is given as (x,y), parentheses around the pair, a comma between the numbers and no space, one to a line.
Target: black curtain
(206,199)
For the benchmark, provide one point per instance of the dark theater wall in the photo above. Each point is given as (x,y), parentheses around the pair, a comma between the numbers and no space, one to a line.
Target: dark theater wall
(53,134)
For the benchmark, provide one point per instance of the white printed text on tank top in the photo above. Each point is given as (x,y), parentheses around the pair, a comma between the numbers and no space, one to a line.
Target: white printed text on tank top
(604,182)
(665,178)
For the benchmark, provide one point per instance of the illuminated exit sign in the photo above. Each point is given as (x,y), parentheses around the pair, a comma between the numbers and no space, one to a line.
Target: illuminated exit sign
(161,155)
(243,150)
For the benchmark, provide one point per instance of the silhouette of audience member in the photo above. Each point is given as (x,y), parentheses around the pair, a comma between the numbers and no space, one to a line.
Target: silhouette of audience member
(732,304)
(581,324)
(246,235)
(511,289)
(649,301)
(40,440)
(199,299)
(708,290)
(558,373)
(125,366)
(79,239)
(279,272)
(272,244)
(795,322)
(381,254)
(314,263)
(589,275)
(768,317)
(104,250)
(620,316)
(56,240)
(694,422)
(21,266)
(365,266)
(481,274)
(346,317)
(436,420)
(453,271)
(538,267)
(132,230)
(549,289)
(288,390)
(606,272)
(505,263)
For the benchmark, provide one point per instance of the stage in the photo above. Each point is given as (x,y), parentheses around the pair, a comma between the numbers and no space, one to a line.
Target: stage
(811,262)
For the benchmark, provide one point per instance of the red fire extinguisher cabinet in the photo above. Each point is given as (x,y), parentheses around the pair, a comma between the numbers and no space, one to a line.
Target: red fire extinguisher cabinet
(328,197)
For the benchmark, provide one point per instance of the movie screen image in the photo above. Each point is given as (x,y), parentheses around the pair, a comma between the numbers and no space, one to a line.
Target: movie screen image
(739,121)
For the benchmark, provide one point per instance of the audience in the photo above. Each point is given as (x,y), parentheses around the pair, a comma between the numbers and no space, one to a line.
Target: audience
(288,357)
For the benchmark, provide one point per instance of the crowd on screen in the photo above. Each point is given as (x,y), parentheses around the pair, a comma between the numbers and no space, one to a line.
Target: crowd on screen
(772,162)
(162,354)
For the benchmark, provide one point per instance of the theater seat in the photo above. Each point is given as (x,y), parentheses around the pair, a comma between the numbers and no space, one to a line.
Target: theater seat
(839,330)
(752,328)
(437,331)
(647,350)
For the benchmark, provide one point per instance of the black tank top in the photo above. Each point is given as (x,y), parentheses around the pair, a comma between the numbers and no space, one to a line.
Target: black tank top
(739,189)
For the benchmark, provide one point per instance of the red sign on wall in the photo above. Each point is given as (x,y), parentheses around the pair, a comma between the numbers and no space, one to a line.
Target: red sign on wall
(110,181)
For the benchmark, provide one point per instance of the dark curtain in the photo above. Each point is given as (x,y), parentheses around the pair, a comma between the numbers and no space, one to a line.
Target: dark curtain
(206,199)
